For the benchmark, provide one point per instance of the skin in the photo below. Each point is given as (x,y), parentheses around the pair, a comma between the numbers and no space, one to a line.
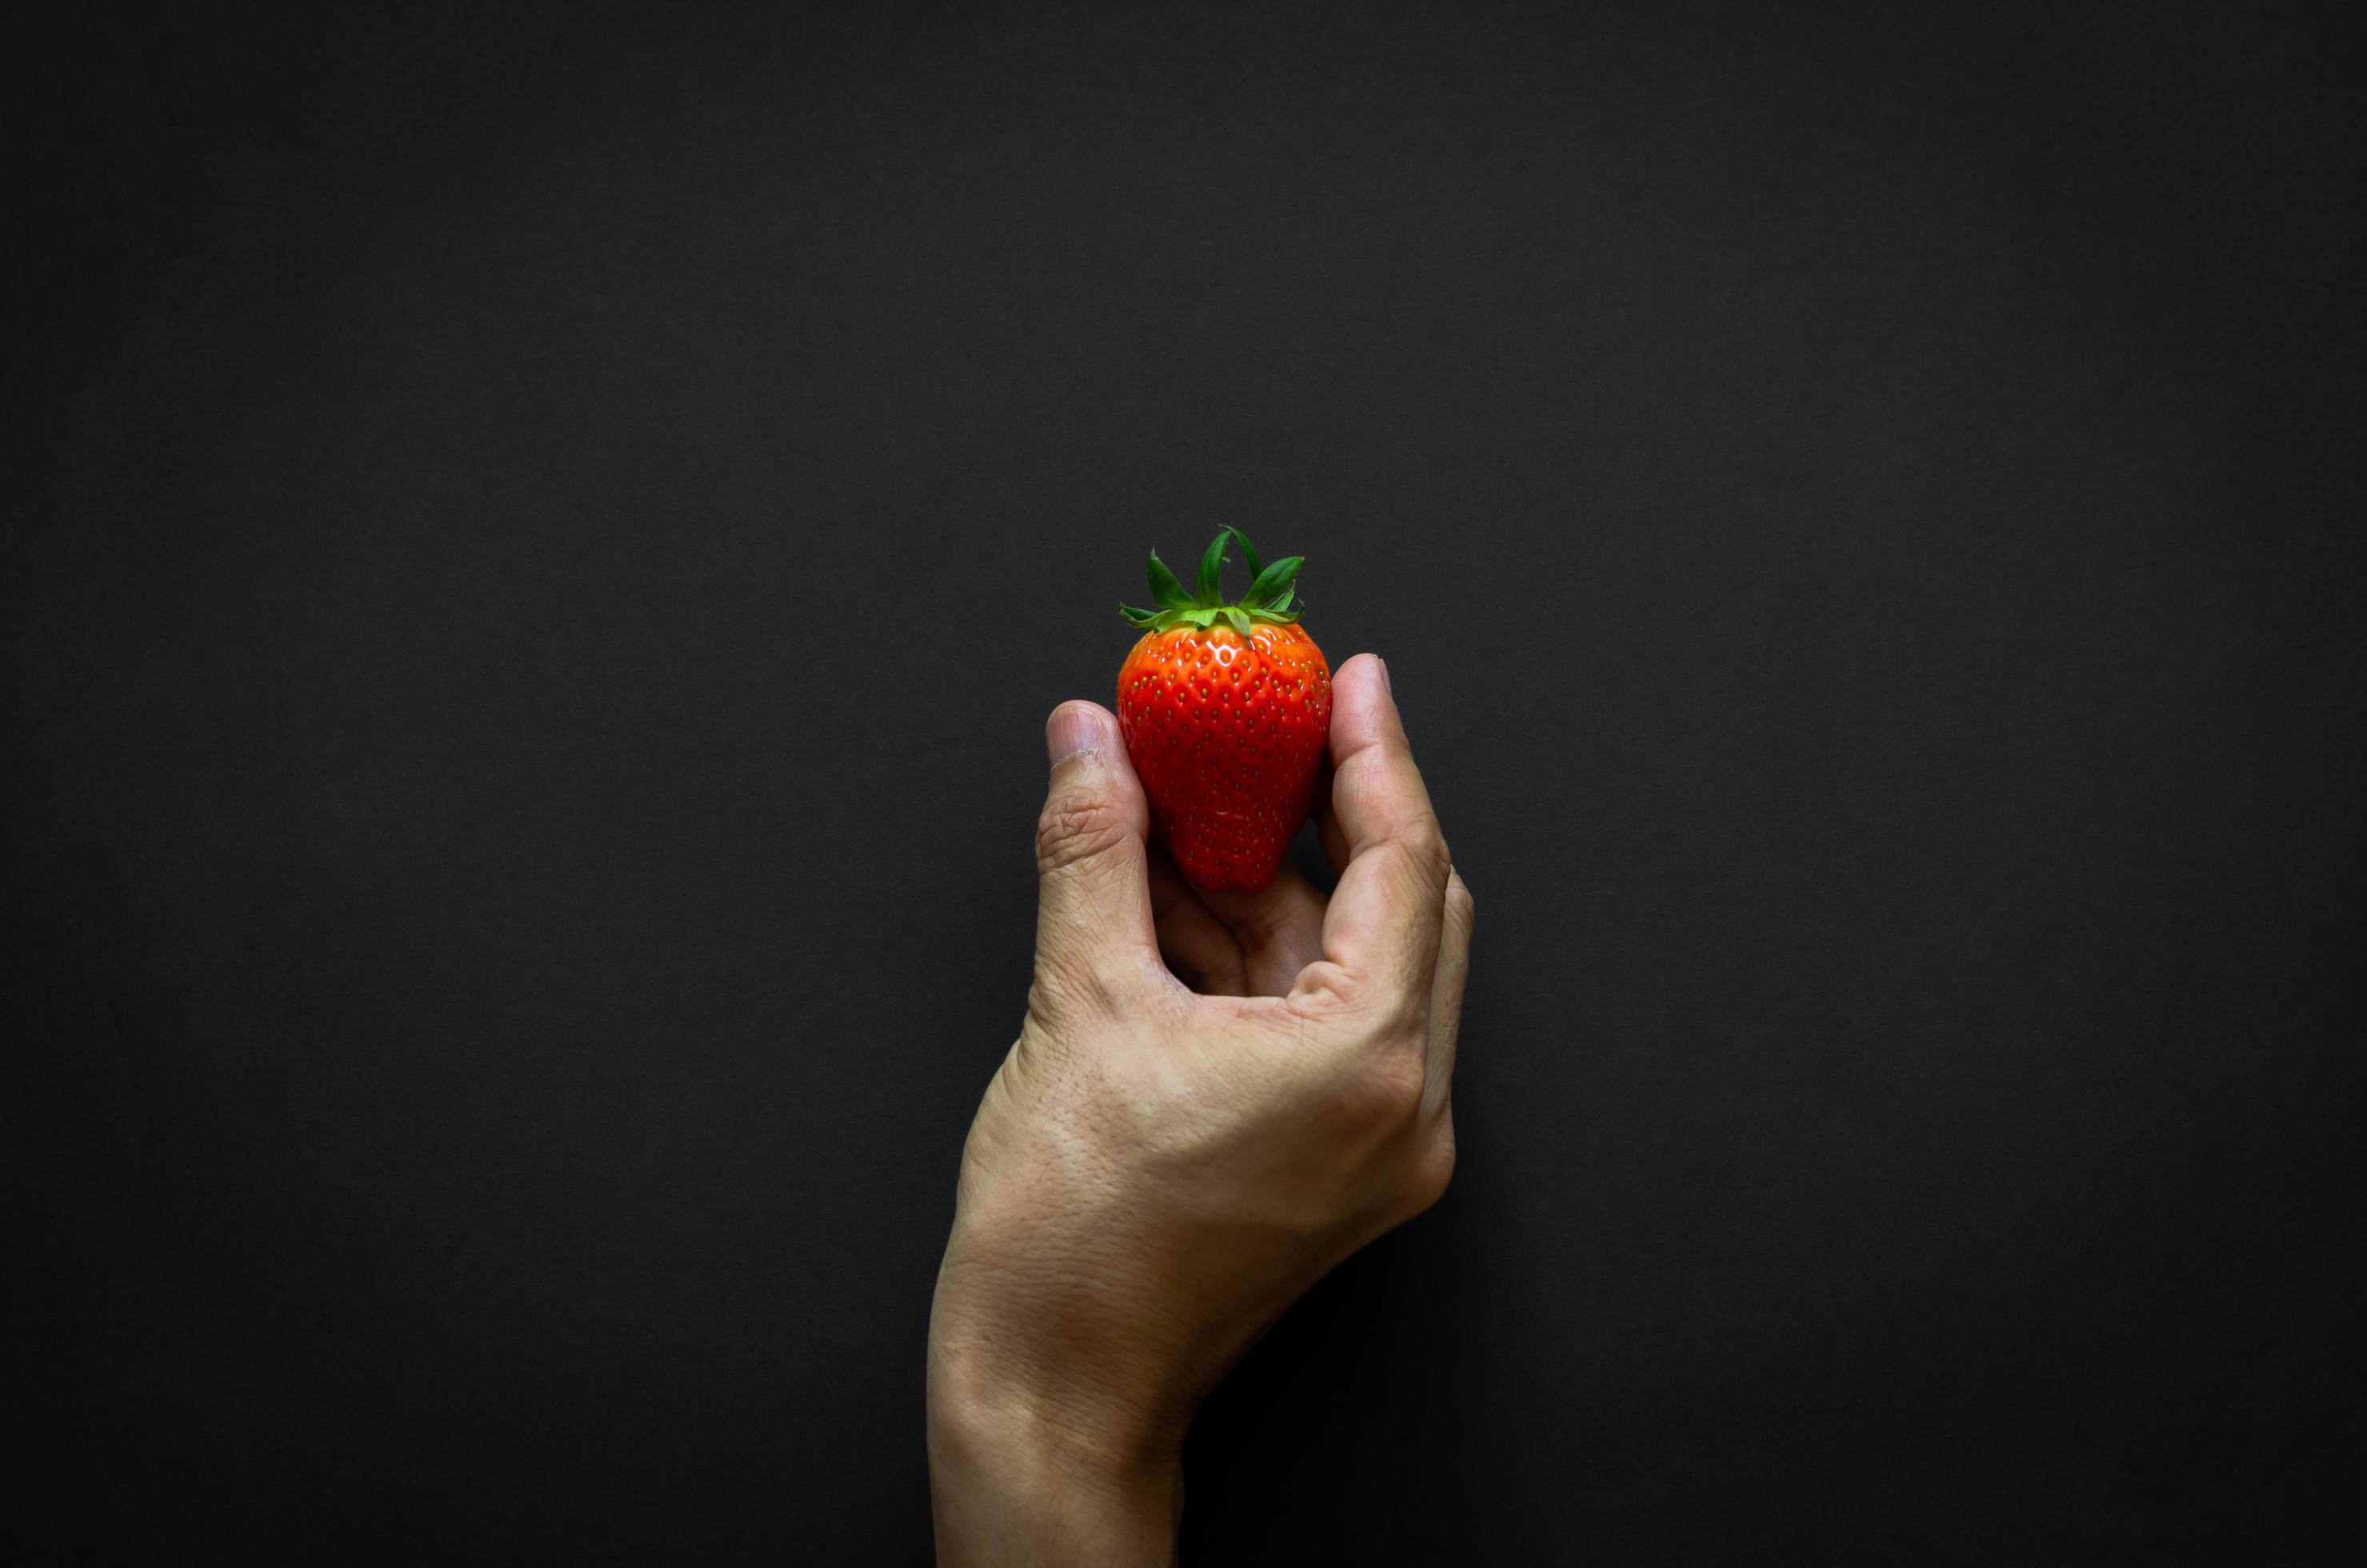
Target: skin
(1215,1099)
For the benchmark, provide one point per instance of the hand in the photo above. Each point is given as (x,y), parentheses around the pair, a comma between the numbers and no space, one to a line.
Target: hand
(1155,1175)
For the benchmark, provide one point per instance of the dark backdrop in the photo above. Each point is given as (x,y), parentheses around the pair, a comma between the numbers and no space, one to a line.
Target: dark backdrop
(540,543)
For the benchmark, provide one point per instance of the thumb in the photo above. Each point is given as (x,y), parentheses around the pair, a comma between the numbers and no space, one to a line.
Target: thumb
(1093,907)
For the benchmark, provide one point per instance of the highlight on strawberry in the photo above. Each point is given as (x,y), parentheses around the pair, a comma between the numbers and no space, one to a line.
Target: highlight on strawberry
(1226,710)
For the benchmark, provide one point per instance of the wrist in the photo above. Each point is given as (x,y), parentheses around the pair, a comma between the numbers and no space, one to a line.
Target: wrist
(1026,1469)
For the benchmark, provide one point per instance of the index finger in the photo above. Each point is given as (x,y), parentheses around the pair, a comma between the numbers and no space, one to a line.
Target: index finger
(1383,927)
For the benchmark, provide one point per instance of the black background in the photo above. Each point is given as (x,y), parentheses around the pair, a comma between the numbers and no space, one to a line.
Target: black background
(540,543)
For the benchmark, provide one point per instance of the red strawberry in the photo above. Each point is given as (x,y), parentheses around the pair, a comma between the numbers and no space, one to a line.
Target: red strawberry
(1226,709)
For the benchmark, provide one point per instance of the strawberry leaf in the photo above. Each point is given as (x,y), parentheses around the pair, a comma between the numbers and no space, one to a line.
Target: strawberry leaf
(1269,602)
(1212,566)
(1274,579)
(1249,552)
(1165,589)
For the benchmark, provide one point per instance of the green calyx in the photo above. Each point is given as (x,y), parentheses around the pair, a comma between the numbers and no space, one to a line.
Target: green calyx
(1268,600)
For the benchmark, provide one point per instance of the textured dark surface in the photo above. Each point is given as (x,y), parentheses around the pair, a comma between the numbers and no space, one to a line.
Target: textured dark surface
(538,547)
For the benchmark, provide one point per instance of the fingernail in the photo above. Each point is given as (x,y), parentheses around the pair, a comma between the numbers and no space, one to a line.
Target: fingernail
(1075,727)
(1386,686)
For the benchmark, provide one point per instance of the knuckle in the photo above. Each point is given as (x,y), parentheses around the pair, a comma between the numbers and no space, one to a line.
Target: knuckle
(1078,828)
(1326,998)
(1407,1025)
(1388,1092)
(1461,908)
(1066,988)
(1429,1173)
(1429,845)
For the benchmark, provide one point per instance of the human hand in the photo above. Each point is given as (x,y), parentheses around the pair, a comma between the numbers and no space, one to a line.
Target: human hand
(1157,1172)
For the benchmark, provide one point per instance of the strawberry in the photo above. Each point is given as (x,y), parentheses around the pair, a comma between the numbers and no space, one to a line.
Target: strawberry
(1226,710)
